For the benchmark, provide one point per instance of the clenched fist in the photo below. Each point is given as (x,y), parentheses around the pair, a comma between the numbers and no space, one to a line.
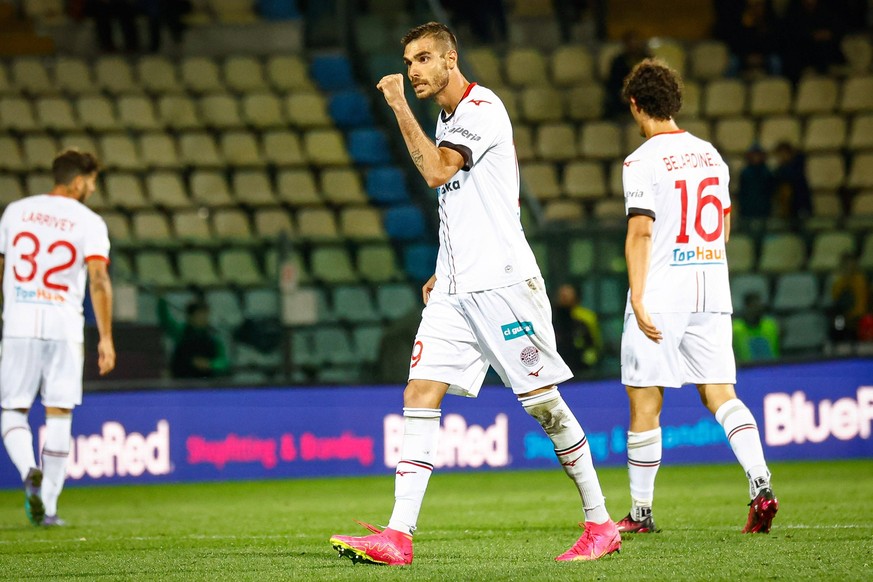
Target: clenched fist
(392,88)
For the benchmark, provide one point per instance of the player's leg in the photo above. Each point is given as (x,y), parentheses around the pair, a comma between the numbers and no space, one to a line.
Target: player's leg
(643,456)
(62,391)
(19,383)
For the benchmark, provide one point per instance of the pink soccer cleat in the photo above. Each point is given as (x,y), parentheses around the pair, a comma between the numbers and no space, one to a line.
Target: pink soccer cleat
(629,525)
(597,541)
(386,547)
(762,510)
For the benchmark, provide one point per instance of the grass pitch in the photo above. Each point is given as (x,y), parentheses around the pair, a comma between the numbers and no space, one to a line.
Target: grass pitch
(474,526)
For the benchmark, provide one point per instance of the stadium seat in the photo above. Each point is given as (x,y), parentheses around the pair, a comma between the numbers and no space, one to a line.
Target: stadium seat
(556,142)
(333,346)
(209,188)
(10,190)
(154,268)
(121,268)
(741,253)
(825,171)
(157,75)
(610,295)
(367,339)
(30,76)
(610,210)
(332,72)
(224,308)
(825,205)
(584,102)
(56,114)
(137,112)
(166,189)
(192,226)
(178,112)
(861,134)
(804,332)
(697,127)
(118,226)
(734,135)
(82,141)
(828,249)
(795,291)
(261,303)
(865,260)
(742,285)
(219,111)
(826,133)
(125,191)
(232,224)
(198,149)
(297,188)
(525,67)
(770,96)
(584,180)
(724,98)
(541,179)
(17,114)
(361,223)
(562,210)
(395,301)
(114,74)
(709,60)
(523,138)
(341,186)
(782,253)
(151,227)
(39,151)
(816,95)
(485,66)
(238,267)
(262,110)
(240,149)
(601,140)
(615,186)
(158,150)
(386,185)
(288,73)
(39,182)
(332,265)
(196,267)
(201,75)
(857,95)
(541,104)
(326,147)
(419,261)
(73,76)
(272,222)
(369,146)
(774,130)
(253,188)
(353,303)
(283,148)
(861,174)
(5,83)
(119,151)
(244,74)
(377,264)
(581,257)
(11,158)
(670,51)
(861,215)
(317,224)
(404,222)
(571,65)
(858,51)
(350,109)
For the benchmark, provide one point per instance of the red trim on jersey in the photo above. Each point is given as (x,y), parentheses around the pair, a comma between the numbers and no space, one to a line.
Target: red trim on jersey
(96,258)
(727,210)
(467,92)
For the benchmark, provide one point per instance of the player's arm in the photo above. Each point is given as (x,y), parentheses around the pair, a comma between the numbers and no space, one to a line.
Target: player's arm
(638,253)
(727,225)
(101,298)
(437,165)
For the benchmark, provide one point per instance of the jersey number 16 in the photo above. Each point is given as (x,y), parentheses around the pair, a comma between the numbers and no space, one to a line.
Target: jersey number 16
(702,201)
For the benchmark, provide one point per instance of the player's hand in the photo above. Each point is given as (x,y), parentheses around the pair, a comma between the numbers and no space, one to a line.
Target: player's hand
(427,288)
(646,325)
(105,356)
(391,87)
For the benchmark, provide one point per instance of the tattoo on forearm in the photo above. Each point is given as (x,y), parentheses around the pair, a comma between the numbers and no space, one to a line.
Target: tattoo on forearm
(417,158)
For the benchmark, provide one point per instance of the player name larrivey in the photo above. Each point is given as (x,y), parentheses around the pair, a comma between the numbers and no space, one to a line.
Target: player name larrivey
(63,224)
(690,160)
(697,256)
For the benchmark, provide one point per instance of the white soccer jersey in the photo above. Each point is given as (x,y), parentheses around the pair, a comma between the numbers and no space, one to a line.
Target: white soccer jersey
(46,241)
(682,182)
(482,244)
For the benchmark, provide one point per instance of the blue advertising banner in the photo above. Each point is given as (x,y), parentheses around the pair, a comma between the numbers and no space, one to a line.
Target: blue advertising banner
(819,410)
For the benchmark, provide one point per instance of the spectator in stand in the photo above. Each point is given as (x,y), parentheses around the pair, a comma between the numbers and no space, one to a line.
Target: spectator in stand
(756,188)
(577,331)
(635,50)
(105,13)
(812,31)
(793,195)
(486,18)
(198,352)
(756,335)
(849,294)
(165,14)
(752,35)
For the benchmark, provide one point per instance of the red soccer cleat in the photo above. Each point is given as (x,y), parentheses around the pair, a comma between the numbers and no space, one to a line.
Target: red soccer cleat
(762,510)
(386,547)
(629,525)
(597,541)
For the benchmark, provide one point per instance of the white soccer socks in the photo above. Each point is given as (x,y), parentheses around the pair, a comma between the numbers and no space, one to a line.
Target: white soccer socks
(18,439)
(643,461)
(420,437)
(571,447)
(54,459)
(742,433)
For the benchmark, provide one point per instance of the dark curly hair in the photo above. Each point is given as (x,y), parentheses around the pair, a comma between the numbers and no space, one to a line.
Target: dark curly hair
(71,163)
(436,29)
(655,87)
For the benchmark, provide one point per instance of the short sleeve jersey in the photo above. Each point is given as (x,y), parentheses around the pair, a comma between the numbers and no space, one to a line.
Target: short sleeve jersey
(482,243)
(681,181)
(46,242)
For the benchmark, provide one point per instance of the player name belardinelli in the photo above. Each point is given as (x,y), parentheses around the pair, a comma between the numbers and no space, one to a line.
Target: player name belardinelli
(690,160)
(64,224)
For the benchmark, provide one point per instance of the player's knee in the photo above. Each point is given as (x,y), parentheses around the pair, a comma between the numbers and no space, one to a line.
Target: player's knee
(423,394)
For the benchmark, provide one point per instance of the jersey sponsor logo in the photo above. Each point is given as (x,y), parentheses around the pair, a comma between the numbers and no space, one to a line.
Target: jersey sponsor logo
(449,187)
(516,329)
(478,102)
(633,194)
(465,133)
(697,256)
(530,357)
(40,295)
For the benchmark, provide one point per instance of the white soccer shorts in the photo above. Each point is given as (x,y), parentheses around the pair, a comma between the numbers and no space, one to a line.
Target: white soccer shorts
(509,328)
(51,367)
(696,349)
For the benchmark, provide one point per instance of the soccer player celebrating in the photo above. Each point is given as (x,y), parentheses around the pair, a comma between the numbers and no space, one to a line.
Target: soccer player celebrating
(485,305)
(49,243)
(678,318)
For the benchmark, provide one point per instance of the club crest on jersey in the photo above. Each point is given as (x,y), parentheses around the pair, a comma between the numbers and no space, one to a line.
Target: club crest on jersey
(516,329)
(530,357)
